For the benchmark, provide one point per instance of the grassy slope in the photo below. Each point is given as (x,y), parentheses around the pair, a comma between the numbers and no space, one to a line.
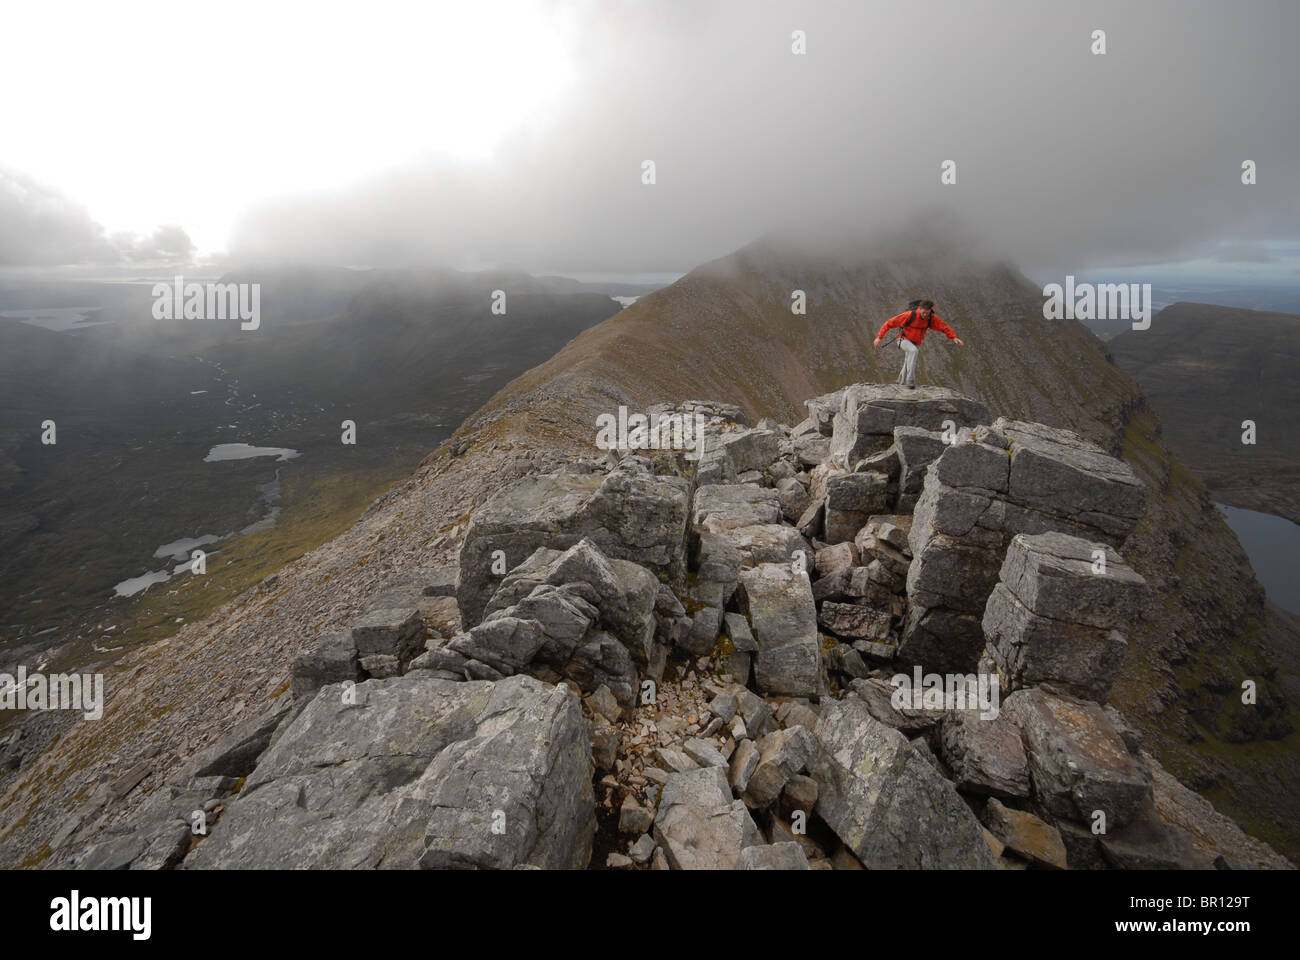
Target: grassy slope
(725,332)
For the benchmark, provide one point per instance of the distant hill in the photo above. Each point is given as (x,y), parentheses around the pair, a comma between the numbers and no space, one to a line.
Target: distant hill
(1205,370)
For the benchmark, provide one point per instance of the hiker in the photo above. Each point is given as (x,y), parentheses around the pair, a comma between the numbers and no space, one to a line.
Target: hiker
(915,321)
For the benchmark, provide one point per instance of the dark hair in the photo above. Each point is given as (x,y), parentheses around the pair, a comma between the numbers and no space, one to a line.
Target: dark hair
(926,304)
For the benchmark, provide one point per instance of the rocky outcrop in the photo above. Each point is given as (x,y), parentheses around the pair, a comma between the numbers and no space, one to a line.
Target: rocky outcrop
(630,514)
(720,666)
(1052,616)
(417,771)
(867,414)
(1008,479)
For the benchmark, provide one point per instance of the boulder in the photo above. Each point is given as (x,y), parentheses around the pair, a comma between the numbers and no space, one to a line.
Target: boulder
(974,502)
(822,410)
(840,556)
(505,643)
(985,755)
(774,856)
(398,632)
(793,498)
(779,605)
(867,415)
(1053,620)
(782,754)
(332,660)
(1026,835)
(850,499)
(719,507)
(1077,763)
(728,453)
(1056,575)
(854,621)
(629,516)
(917,449)
(1028,649)
(418,772)
(699,825)
(889,806)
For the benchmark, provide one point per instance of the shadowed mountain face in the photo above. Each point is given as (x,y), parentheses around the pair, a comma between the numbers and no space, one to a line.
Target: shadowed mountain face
(1206,369)
(726,332)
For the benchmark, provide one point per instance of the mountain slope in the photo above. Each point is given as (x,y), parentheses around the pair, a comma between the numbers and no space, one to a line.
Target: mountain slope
(726,332)
(141,401)
(1208,368)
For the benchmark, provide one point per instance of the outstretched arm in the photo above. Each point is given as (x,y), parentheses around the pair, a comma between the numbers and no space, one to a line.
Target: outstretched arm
(946,330)
(888,325)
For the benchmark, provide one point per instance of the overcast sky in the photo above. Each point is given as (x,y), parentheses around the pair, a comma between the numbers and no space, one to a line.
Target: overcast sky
(490,132)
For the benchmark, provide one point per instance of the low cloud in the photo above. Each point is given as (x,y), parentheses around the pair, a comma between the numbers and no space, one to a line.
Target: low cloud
(1244,253)
(1063,160)
(41,227)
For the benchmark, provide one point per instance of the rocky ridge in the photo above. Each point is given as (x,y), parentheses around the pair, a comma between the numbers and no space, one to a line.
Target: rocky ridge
(688,664)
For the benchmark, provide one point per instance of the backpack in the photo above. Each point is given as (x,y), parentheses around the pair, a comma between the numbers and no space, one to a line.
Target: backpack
(912,305)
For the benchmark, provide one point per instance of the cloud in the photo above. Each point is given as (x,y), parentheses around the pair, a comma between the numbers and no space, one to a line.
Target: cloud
(168,244)
(1064,159)
(40,227)
(1244,253)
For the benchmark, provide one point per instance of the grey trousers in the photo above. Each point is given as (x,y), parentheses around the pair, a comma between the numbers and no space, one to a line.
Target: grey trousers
(908,373)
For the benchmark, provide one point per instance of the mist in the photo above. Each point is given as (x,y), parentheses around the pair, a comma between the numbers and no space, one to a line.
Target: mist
(423,135)
(1064,160)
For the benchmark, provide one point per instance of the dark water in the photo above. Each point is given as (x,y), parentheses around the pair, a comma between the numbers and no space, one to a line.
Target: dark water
(1273,545)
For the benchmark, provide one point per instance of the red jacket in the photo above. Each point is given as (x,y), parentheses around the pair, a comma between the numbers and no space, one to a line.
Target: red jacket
(916,330)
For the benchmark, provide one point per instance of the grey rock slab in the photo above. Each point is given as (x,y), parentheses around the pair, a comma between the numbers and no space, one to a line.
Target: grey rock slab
(332,660)
(792,497)
(1029,650)
(1055,575)
(1077,762)
(726,506)
(629,515)
(868,414)
(889,806)
(507,644)
(398,632)
(851,498)
(775,856)
(744,761)
(418,771)
(855,621)
(782,755)
(779,605)
(1025,834)
(699,825)
(704,753)
(985,755)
